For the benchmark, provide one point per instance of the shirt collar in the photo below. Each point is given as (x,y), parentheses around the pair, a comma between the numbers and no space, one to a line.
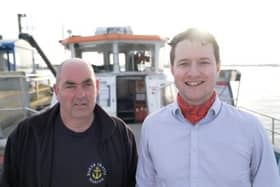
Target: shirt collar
(216,106)
(213,111)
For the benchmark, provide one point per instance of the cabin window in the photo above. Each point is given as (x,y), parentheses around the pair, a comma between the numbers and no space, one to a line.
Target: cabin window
(142,60)
(5,61)
(122,62)
(168,93)
(99,61)
(94,57)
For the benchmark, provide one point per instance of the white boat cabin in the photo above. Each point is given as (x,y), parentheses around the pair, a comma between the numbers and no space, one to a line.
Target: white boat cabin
(131,79)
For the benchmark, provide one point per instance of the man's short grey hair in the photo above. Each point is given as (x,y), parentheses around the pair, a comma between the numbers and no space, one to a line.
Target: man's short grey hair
(59,68)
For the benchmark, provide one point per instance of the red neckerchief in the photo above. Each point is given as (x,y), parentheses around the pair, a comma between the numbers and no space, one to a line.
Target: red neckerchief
(197,112)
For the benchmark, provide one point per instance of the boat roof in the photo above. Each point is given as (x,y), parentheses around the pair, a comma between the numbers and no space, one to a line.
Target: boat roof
(7,45)
(103,42)
(10,45)
(112,37)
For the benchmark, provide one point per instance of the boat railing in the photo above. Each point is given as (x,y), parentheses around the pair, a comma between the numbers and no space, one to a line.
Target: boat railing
(16,96)
(40,90)
(17,114)
(272,125)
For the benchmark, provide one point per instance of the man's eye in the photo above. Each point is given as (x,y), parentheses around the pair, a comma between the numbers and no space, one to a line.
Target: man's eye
(88,84)
(183,64)
(69,86)
(204,62)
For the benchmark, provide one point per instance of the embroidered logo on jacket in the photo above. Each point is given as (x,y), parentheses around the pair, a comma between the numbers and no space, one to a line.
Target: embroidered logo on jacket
(96,173)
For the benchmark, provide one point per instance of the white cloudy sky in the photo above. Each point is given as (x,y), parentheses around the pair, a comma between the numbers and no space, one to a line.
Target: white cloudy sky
(248,30)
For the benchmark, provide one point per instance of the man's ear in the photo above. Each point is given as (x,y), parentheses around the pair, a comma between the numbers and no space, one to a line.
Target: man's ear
(56,90)
(97,83)
(172,69)
(218,67)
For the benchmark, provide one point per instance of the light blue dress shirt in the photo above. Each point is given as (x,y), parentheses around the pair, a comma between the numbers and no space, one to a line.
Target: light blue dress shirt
(227,148)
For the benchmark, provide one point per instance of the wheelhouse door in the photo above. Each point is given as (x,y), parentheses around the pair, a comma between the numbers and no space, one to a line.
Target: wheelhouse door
(107,93)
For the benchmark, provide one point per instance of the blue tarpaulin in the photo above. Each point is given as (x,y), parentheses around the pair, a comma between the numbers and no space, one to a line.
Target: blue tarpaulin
(7,46)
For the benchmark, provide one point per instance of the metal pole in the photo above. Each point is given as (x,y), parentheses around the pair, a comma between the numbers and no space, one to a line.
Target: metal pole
(273,132)
(19,16)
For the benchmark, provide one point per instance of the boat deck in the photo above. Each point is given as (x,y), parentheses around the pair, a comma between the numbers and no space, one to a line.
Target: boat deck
(11,110)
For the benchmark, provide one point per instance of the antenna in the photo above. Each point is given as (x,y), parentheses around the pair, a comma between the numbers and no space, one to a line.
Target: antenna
(19,16)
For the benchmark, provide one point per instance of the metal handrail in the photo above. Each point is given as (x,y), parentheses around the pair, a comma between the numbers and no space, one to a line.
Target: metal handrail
(19,108)
(274,120)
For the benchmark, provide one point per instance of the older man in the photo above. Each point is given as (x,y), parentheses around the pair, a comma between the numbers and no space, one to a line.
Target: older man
(75,143)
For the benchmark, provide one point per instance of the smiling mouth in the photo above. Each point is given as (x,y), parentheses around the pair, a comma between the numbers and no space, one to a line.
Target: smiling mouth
(80,104)
(194,83)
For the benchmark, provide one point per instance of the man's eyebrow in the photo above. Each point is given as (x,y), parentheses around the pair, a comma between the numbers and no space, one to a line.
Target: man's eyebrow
(204,58)
(87,80)
(184,60)
(69,82)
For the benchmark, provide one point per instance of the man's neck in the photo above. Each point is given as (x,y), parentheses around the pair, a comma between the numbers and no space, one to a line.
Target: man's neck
(77,124)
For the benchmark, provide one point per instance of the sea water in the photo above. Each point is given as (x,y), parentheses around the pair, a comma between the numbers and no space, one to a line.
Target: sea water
(260,92)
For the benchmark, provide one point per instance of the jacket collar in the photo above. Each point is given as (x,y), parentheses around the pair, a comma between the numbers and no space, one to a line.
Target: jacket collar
(104,122)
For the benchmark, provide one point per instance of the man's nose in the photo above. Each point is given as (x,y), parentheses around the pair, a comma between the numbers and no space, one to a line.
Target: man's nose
(193,69)
(80,91)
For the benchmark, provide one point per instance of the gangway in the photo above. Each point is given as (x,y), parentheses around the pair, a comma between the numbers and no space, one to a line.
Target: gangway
(29,38)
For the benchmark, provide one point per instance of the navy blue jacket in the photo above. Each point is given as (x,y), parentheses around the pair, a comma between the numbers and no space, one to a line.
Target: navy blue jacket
(29,150)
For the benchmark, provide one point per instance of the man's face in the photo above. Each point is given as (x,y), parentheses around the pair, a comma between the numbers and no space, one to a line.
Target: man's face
(195,71)
(76,90)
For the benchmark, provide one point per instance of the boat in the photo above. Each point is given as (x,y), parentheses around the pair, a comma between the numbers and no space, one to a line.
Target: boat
(128,69)
(132,79)
(25,86)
